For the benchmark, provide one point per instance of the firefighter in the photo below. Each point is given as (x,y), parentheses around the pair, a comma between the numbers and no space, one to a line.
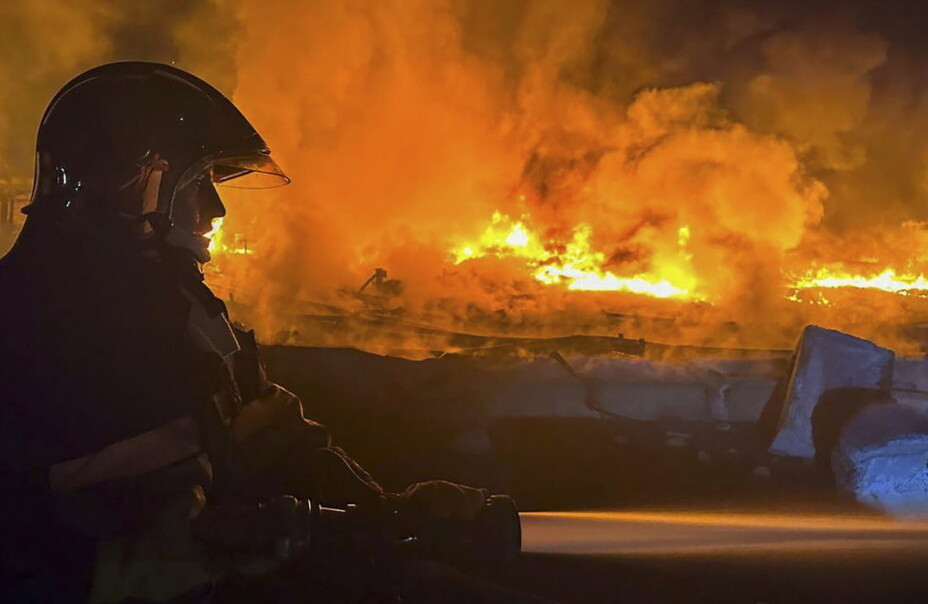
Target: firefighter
(130,407)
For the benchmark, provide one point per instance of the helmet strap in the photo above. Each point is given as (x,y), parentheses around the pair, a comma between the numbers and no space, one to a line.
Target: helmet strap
(145,187)
(156,224)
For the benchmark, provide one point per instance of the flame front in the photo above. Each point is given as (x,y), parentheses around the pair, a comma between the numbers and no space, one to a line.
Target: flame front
(888,280)
(575,263)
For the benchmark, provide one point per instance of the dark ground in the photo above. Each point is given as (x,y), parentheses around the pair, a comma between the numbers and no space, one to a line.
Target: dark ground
(753,539)
(793,578)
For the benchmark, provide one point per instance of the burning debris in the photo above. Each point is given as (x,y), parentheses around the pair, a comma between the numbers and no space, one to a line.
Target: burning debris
(521,179)
(552,162)
(573,263)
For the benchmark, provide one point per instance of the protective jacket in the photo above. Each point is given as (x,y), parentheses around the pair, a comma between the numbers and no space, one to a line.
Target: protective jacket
(118,427)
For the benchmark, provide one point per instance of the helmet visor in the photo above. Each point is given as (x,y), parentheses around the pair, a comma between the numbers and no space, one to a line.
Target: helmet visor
(248,172)
(252,171)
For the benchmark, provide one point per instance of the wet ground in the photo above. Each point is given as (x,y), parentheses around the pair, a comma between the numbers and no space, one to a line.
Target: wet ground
(704,556)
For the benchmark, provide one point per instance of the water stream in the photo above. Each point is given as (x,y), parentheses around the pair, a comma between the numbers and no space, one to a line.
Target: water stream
(638,533)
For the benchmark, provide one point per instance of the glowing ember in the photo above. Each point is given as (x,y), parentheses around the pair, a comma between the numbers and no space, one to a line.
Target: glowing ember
(576,264)
(887,281)
(804,298)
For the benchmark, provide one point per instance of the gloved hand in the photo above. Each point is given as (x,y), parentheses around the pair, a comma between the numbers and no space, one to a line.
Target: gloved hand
(445,500)
(276,528)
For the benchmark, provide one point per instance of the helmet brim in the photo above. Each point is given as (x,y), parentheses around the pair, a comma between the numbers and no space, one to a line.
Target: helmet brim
(248,172)
(241,171)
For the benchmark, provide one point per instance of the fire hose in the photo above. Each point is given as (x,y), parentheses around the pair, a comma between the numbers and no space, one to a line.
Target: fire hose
(285,527)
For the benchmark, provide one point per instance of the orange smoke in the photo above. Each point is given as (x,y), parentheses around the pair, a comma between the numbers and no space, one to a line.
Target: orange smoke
(492,185)
(531,167)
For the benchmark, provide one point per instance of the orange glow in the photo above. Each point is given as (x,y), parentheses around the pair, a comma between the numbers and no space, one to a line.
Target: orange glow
(888,281)
(505,198)
(219,244)
(576,264)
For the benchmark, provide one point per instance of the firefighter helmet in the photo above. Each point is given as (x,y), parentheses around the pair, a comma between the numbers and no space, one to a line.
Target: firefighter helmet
(123,139)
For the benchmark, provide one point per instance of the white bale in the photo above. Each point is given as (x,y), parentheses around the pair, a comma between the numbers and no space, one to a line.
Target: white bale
(881,459)
(825,359)
(539,388)
(916,399)
(911,374)
(715,390)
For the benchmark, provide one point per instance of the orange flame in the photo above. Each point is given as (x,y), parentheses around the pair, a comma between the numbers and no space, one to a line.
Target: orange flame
(576,264)
(888,281)
(218,244)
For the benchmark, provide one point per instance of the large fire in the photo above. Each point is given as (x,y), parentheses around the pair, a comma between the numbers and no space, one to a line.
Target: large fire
(547,168)
(722,175)
(675,300)
(573,262)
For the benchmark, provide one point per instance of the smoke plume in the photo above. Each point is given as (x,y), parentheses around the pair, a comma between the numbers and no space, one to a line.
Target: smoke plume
(718,145)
